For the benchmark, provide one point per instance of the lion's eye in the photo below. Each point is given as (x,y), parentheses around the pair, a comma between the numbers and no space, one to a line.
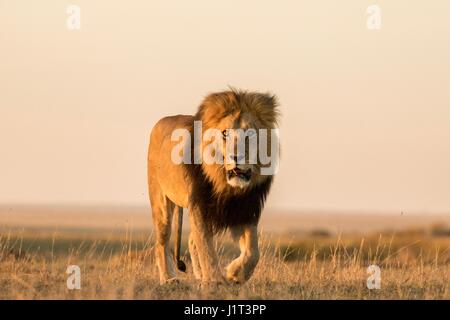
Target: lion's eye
(225,134)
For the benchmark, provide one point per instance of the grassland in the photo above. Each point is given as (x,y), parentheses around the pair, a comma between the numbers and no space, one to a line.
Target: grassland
(415,264)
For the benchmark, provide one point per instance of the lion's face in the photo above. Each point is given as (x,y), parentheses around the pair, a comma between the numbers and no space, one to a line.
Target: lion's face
(239,133)
(238,117)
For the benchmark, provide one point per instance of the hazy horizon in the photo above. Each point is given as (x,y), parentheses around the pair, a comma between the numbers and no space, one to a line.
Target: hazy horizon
(365,114)
(111,207)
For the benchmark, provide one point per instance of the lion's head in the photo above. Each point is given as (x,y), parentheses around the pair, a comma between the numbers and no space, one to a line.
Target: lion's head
(237,132)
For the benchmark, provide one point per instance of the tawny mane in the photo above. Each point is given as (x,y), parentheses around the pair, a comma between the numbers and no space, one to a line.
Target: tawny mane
(223,205)
(216,106)
(263,107)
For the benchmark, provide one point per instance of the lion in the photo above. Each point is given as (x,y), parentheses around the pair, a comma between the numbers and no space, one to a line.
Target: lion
(219,196)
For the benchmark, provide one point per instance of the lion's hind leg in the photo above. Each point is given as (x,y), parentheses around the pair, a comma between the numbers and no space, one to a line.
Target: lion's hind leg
(162,217)
(194,258)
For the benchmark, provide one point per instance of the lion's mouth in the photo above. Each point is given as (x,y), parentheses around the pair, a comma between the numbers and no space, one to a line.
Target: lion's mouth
(239,173)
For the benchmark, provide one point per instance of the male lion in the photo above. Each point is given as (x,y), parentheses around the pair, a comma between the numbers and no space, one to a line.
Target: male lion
(229,194)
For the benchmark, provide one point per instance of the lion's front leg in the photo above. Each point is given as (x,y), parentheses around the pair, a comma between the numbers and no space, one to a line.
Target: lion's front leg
(241,268)
(202,238)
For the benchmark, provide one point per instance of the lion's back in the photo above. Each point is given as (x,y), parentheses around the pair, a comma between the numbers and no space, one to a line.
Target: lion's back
(165,126)
(163,174)
(163,129)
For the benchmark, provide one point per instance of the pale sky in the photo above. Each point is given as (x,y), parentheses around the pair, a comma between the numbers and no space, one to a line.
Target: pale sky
(366,114)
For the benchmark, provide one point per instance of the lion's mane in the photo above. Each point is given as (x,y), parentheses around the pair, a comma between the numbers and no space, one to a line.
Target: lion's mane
(222,206)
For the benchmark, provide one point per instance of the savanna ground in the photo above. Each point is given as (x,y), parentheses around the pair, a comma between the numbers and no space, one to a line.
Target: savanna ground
(318,264)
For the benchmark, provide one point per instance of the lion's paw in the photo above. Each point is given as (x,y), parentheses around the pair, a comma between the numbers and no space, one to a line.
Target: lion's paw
(169,281)
(235,275)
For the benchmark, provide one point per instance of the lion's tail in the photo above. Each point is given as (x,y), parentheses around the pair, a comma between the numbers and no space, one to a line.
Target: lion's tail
(178,217)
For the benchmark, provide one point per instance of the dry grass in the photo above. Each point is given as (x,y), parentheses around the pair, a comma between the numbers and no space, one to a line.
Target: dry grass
(415,265)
